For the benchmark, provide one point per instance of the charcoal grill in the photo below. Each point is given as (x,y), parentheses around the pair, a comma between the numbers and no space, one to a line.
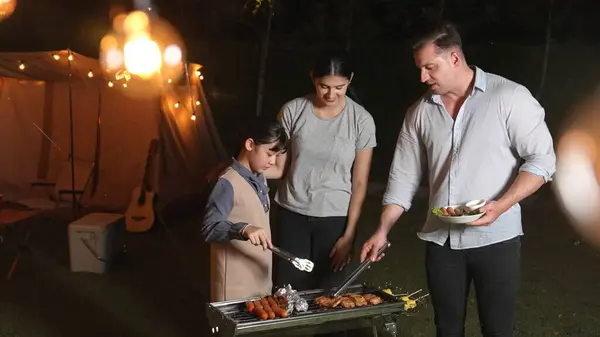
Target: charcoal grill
(230,318)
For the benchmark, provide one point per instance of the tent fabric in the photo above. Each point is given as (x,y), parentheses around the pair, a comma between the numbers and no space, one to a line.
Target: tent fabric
(110,127)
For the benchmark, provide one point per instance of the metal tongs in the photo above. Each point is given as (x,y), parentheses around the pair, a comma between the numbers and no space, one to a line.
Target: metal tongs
(302,264)
(362,267)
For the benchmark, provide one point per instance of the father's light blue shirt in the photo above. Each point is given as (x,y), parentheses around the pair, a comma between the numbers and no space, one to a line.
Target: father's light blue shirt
(499,131)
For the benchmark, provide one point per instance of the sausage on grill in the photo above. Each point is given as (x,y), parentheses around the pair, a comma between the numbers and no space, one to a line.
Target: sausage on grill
(250,306)
(261,313)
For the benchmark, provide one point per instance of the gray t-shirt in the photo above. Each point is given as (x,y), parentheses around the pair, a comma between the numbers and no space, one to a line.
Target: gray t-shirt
(319,179)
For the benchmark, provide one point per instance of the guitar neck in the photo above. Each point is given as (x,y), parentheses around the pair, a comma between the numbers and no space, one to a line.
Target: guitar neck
(146,181)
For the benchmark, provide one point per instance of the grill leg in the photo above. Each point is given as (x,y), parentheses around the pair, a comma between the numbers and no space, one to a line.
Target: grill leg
(390,328)
(375,330)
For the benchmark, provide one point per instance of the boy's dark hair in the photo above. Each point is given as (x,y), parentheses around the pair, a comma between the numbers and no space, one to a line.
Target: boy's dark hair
(443,34)
(266,130)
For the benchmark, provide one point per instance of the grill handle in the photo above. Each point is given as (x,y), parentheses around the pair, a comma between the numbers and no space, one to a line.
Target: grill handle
(362,267)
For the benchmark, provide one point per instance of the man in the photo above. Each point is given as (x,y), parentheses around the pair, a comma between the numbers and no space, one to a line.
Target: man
(477,136)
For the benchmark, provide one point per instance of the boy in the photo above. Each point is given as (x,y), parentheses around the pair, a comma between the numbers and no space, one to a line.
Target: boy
(236,220)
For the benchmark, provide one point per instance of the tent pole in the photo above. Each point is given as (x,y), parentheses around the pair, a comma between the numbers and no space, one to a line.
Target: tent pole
(71,137)
(189,83)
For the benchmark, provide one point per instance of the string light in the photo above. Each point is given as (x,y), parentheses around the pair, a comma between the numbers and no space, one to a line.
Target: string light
(22,66)
(111,84)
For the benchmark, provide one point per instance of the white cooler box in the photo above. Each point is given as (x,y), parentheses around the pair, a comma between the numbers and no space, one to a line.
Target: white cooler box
(95,240)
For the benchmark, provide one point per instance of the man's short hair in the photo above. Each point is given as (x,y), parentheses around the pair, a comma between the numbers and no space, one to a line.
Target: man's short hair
(444,35)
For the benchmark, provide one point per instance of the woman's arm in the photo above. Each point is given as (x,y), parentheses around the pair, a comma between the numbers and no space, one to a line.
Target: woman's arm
(360,181)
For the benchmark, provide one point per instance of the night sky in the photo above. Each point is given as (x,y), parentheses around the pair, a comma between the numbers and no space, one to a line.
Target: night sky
(58,24)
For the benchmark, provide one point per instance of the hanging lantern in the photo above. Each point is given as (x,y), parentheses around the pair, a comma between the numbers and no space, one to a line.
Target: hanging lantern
(145,46)
(7,8)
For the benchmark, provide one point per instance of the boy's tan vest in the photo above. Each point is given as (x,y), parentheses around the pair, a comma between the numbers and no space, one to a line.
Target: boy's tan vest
(238,268)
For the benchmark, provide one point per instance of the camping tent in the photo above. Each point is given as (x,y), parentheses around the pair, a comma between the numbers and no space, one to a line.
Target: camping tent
(109,128)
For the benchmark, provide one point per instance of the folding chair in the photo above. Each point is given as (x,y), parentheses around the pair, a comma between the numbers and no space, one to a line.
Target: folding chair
(63,187)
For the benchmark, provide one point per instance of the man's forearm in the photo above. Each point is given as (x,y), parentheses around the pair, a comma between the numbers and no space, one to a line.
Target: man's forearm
(389,216)
(524,185)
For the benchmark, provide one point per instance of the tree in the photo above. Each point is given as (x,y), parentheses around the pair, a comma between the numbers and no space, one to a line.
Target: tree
(264,51)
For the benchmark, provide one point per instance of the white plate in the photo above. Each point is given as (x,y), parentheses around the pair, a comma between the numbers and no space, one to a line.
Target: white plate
(462,219)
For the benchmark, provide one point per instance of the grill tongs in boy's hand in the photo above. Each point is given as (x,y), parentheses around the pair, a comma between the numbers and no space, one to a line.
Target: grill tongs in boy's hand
(302,264)
(362,267)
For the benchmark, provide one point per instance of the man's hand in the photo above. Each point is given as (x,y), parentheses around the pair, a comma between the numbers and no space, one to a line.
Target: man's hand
(493,210)
(341,253)
(371,246)
(257,236)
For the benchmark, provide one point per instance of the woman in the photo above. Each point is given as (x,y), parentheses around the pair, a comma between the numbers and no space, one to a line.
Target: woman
(325,176)
(236,220)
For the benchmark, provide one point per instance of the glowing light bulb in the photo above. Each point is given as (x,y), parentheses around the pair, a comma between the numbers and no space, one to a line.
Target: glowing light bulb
(169,80)
(201,77)
(142,57)
(176,105)
(135,22)
(70,57)
(197,102)
(22,66)
(110,84)
(193,117)
(198,72)
(90,74)
(124,85)
(7,8)
(56,57)
(173,55)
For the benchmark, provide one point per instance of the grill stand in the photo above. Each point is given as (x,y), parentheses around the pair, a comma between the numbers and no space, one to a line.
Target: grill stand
(387,322)
(389,325)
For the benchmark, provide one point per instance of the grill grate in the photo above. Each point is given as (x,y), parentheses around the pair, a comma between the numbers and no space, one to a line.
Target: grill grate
(239,314)
(230,318)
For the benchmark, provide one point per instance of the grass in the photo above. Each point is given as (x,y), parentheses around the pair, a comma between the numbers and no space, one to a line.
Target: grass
(159,288)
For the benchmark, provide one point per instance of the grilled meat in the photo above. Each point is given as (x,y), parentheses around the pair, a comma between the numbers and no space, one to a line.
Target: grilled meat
(336,301)
(359,300)
(348,301)
(373,299)
(323,301)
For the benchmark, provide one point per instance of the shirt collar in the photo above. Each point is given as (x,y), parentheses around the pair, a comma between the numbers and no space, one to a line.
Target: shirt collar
(244,171)
(479,85)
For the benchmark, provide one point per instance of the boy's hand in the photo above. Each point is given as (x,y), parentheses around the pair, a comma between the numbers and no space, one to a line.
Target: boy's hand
(257,236)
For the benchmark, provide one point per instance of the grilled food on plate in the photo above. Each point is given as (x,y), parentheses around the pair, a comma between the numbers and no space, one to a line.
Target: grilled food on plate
(348,301)
(454,211)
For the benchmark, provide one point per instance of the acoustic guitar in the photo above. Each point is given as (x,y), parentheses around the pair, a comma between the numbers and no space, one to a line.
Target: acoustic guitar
(140,214)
